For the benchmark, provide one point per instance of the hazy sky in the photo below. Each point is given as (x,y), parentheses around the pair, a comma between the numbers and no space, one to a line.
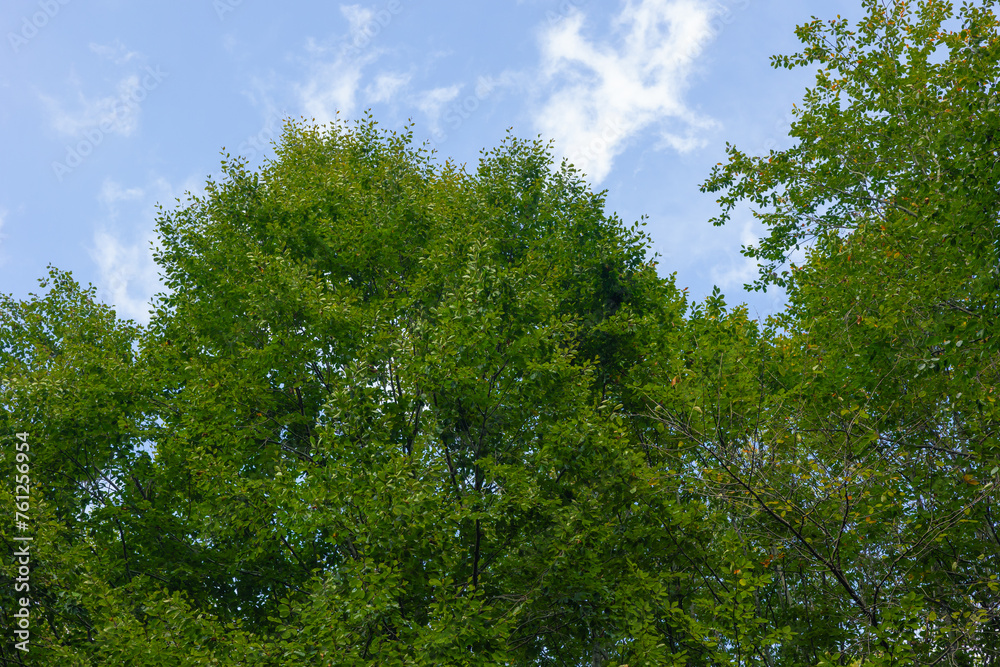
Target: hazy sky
(108,108)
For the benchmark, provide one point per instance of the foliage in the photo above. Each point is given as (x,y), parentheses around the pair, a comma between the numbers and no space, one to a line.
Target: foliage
(879,394)
(388,411)
(376,422)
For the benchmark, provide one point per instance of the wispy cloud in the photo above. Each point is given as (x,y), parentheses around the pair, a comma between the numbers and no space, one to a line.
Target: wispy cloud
(357,17)
(112,193)
(433,102)
(332,86)
(334,83)
(80,114)
(92,119)
(601,94)
(116,52)
(386,86)
(128,276)
(113,112)
(732,270)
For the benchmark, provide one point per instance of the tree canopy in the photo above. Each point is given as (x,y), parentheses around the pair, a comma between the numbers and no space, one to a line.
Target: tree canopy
(392,411)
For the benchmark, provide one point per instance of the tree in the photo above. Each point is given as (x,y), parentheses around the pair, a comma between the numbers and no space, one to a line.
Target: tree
(879,401)
(377,419)
(70,382)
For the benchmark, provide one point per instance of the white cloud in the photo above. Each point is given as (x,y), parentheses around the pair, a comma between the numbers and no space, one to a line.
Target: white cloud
(117,113)
(336,71)
(112,193)
(736,270)
(432,102)
(332,86)
(358,18)
(128,276)
(605,94)
(115,52)
(487,85)
(385,86)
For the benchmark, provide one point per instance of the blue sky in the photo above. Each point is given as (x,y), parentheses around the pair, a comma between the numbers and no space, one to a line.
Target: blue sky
(108,108)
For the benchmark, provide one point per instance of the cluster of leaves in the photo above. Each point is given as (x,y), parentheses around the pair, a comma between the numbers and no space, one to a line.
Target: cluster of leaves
(391,412)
